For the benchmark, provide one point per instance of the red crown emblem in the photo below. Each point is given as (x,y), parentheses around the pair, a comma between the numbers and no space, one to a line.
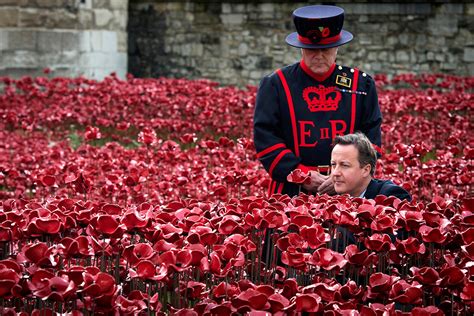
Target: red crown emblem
(322,98)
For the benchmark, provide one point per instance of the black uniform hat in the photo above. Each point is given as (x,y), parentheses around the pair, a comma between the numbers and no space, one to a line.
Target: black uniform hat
(319,26)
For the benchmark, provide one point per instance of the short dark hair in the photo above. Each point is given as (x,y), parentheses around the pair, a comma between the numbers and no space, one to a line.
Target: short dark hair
(367,153)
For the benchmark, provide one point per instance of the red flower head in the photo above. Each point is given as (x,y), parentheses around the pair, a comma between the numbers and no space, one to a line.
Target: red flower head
(8,279)
(45,285)
(39,254)
(308,302)
(452,277)
(379,285)
(379,243)
(298,176)
(411,246)
(314,235)
(135,253)
(147,136)
(434,235)
(356,257)
(107,225)
(426,311)
(130,307)
(405,293)
(252,298)
(295,259)
(92,133)
(426,275)
(224,289)
(328,260)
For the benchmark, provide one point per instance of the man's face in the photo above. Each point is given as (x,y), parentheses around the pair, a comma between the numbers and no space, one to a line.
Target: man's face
(346,172)
(319,60)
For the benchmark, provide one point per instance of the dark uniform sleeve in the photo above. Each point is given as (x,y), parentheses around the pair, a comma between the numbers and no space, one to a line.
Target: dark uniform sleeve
(272,150)
(372,117)
(390,189)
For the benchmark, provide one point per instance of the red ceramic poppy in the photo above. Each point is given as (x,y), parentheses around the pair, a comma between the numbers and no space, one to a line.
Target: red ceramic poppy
(314,235)
(308,303)
(426,311)
(328,259)
(252,298)
(130,307)
(405,293)
(434,235)
(8,279)
(299,177)
(379,242)
(452,277)
(425,275)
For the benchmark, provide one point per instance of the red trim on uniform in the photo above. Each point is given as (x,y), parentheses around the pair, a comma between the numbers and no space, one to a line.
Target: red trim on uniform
(270,149)
(280,188)
(273,187)
(292,110)
(327,40)
(354,99)
(270,188)
(378,149)
(314,75)
(277,160)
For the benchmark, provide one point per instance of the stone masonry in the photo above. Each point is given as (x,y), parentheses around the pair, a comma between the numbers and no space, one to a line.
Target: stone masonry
(71,37)
(237,42)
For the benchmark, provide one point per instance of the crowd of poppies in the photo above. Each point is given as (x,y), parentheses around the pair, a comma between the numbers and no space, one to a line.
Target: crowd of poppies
(144,196)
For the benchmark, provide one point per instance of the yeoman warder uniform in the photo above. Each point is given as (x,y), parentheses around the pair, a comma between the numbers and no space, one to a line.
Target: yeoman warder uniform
(298,113)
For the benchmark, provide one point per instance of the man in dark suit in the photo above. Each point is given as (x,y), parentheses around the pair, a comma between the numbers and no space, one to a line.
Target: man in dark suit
(353,160)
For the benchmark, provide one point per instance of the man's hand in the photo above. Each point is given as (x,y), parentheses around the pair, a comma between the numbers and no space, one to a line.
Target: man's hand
(317,180)
(327,187)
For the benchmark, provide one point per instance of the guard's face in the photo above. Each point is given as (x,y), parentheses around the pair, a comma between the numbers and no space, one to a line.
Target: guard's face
(319,60)
(346,172)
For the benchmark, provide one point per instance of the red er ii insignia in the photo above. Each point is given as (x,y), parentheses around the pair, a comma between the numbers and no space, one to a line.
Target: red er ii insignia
(322,98)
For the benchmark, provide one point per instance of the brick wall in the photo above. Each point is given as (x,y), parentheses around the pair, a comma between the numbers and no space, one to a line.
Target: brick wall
(237,42)
(71,37)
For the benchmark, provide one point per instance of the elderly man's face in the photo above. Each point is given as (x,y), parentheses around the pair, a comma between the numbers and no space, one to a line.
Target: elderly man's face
(319,60)
(346,172)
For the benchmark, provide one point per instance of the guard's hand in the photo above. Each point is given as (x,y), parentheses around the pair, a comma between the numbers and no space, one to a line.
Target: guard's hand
(316,180)
(327,187)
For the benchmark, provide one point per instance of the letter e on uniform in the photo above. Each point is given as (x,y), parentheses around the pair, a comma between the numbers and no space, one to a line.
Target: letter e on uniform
(306,133)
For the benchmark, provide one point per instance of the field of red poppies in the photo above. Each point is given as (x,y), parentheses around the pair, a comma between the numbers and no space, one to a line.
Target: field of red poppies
(145,197)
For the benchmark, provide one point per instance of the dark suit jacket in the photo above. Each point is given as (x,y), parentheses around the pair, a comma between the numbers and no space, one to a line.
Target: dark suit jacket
(387,188)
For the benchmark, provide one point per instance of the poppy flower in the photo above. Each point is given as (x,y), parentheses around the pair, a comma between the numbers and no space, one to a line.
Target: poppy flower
(8,279)
(452,277)
(405,293)
(425,311)
(434,235)
(379,242)
(295,259)
(308,302)
(328,259)
(194,290)
(252,298)
(299,177)
(314,235)
(39,254)
(379,285)
(137,252)
(47,286)
(224,289)
(278,302)
(127,306)
(425,275)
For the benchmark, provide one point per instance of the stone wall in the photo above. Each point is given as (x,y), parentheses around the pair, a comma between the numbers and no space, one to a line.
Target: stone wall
(71,37)
(237,42)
